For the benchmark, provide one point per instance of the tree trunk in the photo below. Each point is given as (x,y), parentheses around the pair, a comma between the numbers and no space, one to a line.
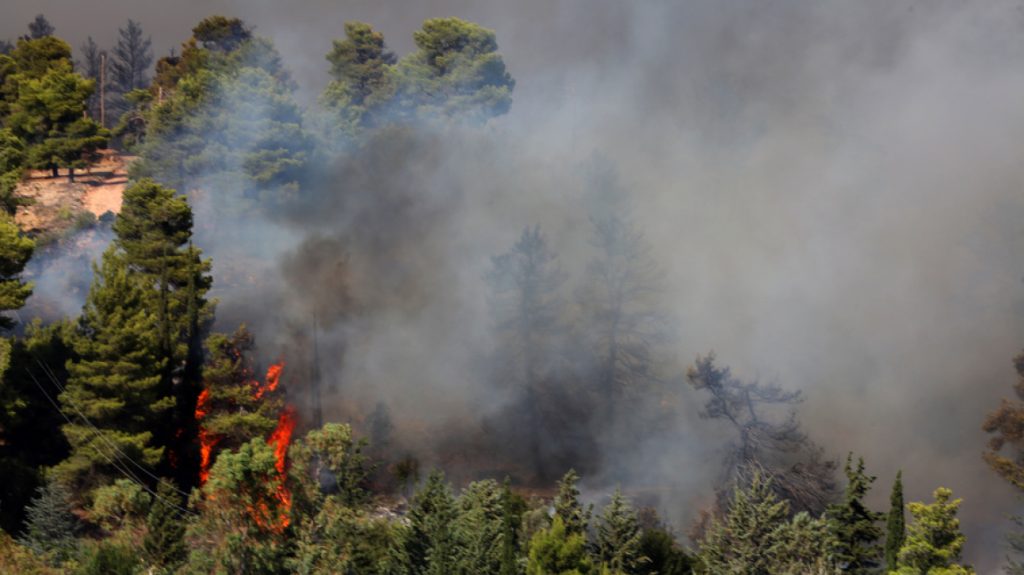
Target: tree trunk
(71,175)
(53,170)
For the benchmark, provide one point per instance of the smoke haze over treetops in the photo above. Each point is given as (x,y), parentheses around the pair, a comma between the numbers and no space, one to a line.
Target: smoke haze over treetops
(833,189)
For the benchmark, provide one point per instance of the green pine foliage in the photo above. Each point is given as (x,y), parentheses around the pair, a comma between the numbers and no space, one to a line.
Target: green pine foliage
(479,528)
(618,537)
(227,120)
(48,105)
(431,542)
(456,72)
(240,522)
(664,556)
(556,551)
(233,414)
(854,526)
(15,251)
(757,536)
(114,393)
(934,541)
(341,539)
(363,78)
(575,517)
(895,524)
(164,542)
(51,527)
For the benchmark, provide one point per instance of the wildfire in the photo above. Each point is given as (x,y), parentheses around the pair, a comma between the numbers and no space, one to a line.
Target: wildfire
(273,378)
(280,439)
(207,441)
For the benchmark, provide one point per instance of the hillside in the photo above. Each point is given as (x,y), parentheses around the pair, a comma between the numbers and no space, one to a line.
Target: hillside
(59,205)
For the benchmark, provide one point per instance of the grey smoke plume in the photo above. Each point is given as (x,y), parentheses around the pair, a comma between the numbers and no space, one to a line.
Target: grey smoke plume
(834,191)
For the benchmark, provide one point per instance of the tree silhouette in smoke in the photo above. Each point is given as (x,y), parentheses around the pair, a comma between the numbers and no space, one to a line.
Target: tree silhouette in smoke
(773,445)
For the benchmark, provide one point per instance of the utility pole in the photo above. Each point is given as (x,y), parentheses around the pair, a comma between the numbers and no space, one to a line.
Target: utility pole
(103,89)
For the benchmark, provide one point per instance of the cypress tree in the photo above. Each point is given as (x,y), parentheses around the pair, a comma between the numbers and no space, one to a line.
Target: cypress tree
(895,528)
(164,543)
(853,525)
(510,522)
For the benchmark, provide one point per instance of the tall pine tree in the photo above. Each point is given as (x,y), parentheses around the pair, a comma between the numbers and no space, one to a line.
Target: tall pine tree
(154,233)
(114,393)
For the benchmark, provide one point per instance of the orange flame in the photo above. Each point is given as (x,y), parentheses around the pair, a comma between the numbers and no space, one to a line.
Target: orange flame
(207,441)
(273,378)
(280,439)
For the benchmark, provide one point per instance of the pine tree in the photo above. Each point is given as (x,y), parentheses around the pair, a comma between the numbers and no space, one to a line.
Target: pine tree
(242,520)
(231,412)
(153,234)
(49,115)
(895,529)
(663,553)
(934,541)
(740,542)
(430,545)
(618,300)
(92,67)
(479,528)
(164,543)
(769,438)
(526,304)
(853,525)
(618,537)
(363,77)
(575,517)
(40,27)
(15,251)
(131,58)
(555,551)
(1005,424)
(756,536)
(114,391)
(456,72)
(51,527)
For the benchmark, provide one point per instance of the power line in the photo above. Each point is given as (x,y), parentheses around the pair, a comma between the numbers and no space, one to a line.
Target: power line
(111,444)
(126,472)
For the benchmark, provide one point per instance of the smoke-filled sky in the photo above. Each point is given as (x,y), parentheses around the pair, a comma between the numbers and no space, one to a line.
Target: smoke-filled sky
(834,190)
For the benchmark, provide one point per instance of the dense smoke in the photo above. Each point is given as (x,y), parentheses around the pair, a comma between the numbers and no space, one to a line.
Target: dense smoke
(833,190)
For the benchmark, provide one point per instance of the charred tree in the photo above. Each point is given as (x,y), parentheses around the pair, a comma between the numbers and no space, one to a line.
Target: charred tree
(765,440)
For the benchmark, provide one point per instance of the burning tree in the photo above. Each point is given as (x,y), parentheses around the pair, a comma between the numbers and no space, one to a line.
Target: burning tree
(765,444)
(234,406)
(244,511)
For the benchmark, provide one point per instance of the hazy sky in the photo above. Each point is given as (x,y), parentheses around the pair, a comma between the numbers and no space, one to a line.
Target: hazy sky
(834,188)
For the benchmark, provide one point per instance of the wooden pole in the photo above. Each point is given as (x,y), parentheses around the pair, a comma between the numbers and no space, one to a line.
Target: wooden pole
(103,89)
